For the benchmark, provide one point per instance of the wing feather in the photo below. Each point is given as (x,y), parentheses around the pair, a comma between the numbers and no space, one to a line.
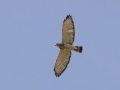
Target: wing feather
(68,30)
(62,62)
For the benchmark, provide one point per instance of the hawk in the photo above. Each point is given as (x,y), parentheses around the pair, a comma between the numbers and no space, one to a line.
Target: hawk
(68,34)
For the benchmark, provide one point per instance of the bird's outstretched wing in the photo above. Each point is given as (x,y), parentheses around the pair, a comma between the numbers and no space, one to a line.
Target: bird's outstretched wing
(62,62)
(68,30)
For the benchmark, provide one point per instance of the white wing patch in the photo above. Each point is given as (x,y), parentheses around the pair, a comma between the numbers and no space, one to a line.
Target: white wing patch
(71,30)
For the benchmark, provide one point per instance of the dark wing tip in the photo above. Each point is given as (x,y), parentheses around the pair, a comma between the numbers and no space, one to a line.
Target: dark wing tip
(68,16)
(57,74)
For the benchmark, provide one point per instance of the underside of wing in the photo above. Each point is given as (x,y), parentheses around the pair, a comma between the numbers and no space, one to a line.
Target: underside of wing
(68,30)
(62,62)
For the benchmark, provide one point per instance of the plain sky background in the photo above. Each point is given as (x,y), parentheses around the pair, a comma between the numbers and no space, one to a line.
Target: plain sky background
(29,29)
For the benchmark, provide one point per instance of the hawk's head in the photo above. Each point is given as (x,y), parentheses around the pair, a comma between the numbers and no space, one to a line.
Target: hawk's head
(60,45)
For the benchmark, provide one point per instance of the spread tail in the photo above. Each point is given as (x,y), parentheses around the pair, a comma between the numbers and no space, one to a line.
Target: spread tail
(78,49)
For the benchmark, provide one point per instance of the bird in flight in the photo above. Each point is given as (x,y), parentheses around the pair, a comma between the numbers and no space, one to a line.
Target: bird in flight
(68,34)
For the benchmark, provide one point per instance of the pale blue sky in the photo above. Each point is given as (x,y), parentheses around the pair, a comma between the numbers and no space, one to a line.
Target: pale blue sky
(29,29)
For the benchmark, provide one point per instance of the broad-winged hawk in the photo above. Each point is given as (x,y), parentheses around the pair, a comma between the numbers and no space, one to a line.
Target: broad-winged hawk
(68,34)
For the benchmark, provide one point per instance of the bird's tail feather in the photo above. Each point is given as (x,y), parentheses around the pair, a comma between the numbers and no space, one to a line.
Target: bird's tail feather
(78,49)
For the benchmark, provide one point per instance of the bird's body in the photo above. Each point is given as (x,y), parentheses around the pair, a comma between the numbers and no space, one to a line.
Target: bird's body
(69,47)
(68,34)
